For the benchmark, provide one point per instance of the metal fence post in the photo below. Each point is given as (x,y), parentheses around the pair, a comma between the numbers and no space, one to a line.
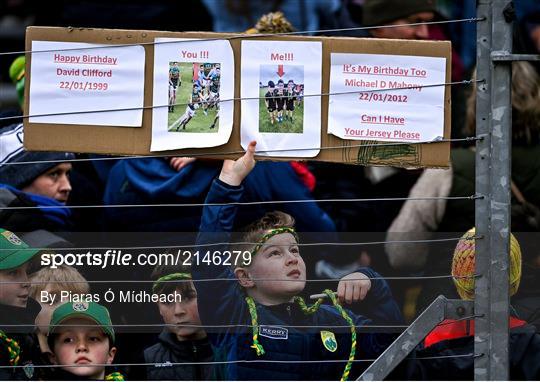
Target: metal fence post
(440,309)
(493,177)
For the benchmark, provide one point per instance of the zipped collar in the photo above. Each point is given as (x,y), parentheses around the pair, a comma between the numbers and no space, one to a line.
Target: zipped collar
(198,348)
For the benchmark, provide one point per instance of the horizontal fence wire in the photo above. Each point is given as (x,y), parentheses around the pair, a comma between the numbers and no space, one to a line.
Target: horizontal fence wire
(466,318)
(151,107)
(450,356)
(239,152)
(246,36)
(225,326)
(435,277)
(173,246)
(170,364)
(233,326)
(264,202)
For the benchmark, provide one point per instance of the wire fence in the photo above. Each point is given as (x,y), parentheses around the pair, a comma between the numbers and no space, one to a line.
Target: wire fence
(151,107)
(249,36)
(348,200)
(211,280)
(226,153)
(264,202)
(177,246)
(233,326)
(244,361)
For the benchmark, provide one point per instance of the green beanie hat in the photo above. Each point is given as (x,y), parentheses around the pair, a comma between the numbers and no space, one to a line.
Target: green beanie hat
(382,12)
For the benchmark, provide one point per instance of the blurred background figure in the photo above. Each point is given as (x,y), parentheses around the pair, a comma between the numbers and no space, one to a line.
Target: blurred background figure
(451,338)
(439,218)
(304,15)
(43,182)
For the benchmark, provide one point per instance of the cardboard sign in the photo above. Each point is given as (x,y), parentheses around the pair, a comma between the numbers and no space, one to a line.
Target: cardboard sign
(137,140)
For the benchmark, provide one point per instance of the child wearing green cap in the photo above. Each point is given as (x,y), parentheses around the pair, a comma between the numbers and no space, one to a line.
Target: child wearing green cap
(260,319)
(81,339)
(47,287)
(183,339)
(18,344)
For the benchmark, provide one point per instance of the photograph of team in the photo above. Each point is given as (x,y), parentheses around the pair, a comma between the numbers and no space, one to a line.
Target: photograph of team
(194,97)
(281,108)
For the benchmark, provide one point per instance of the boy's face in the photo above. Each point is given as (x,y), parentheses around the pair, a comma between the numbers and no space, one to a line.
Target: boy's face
(181,314)
(82,345)
(54,183)
(278,260)
(16,292)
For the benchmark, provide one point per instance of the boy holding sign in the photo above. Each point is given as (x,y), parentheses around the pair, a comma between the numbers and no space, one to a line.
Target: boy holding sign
(261,297)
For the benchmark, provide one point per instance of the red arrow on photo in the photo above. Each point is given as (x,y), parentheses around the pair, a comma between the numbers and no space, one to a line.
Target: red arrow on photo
(280,71)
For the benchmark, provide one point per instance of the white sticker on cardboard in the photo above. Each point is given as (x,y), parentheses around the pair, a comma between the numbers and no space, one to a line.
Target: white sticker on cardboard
(193,93)
(70,84)
(282,83)
(383,98)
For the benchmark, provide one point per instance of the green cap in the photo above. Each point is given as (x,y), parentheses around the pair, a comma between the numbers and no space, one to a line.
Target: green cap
(16,70)
(83,309)
(13,251)
(17,74)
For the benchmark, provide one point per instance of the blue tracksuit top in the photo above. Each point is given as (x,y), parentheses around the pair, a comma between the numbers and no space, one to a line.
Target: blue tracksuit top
(152,180)
(223,303)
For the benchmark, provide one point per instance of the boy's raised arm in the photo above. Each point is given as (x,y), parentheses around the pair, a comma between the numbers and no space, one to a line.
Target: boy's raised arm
(221,302)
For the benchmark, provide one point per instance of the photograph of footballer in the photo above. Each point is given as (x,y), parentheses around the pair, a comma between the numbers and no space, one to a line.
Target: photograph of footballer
(194,97)
(193,89)
(281,109)
(174,82)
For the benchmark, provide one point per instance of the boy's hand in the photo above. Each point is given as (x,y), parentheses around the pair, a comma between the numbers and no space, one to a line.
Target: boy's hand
(234,172)
(353,288)
(179,163)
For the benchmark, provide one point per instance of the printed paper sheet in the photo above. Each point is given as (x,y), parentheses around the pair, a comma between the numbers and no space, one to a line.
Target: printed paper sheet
(380,97)
(70,83)
(193,93)
(282,81)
